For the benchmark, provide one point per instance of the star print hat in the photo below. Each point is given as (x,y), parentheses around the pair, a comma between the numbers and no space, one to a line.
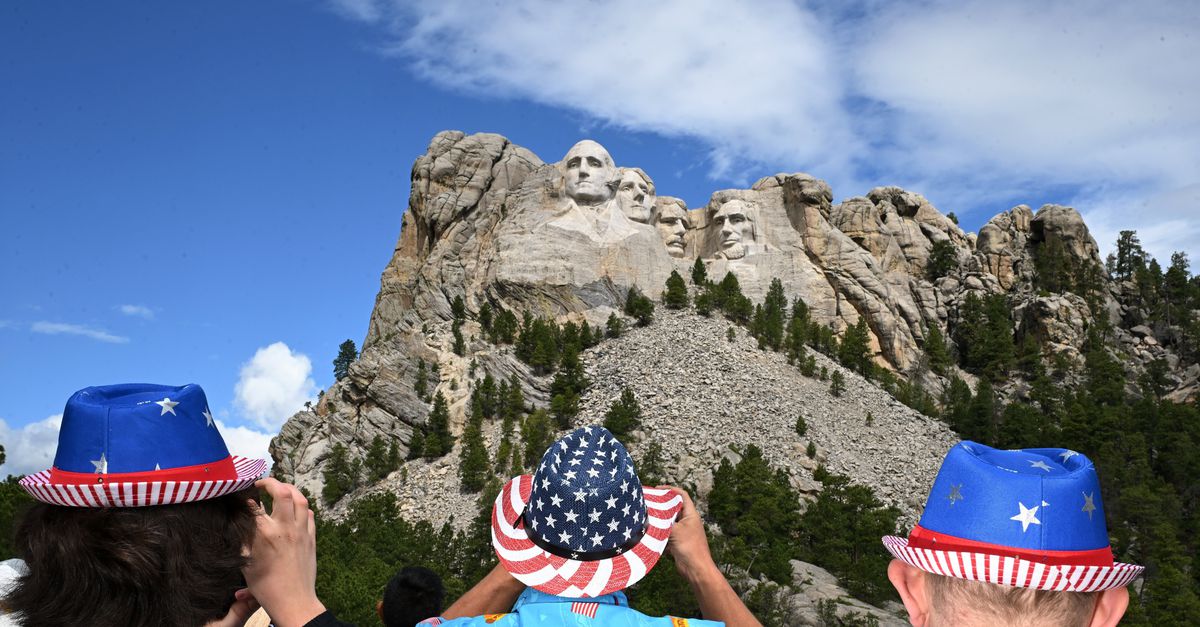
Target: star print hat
(137,444)
(1029,518)
(582,525)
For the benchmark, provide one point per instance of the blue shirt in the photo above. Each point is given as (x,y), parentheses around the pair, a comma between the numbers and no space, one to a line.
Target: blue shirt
(546,610)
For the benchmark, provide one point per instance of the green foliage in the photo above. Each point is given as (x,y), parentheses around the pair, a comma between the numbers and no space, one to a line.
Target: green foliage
(485,317)
(935,348)
(769,322)
(650,469)
(837,383)
(984,335)
(416,444)
(840,531)
(870,419)
(639,307)
(569,383)
(537,435)
(801,426)
(421,386)
(676,294)
(347,353)
(624,416)
(699,273)
(758,511)
(730,334)
(705,303)
(340,475)
(943,260)
(953,218)
(663,591)
(474,469)
(460,345)
(437,440)
(381,459)
(540,344)
(504,328)
(13,501)
(855,349)
(1129,256)
(458,309)
(797,333)
(768,602)
(811,450)
(613,326)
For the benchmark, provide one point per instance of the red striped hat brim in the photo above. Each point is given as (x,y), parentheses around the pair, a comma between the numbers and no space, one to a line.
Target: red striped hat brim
(1013,571)
(141,493)
(548,573)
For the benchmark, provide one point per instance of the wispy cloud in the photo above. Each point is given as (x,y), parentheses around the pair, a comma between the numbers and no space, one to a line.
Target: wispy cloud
(970,102)
(137,311)
(62,328)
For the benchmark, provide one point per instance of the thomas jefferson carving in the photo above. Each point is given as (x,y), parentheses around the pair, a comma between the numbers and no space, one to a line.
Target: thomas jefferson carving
(635,195)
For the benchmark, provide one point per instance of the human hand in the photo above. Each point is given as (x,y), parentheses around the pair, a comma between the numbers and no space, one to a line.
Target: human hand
(687,542)
(244,606)
(282,570)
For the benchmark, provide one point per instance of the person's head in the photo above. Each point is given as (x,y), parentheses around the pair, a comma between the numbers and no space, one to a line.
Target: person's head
(144,518)
(635,195)
(1011,538)
(589,173)
(672,224)
(735,222)
(412,595)
(582,511)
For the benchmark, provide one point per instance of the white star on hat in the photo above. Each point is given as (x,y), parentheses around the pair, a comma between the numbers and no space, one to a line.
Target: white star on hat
(550,520)
(611,502)
(101,465)
(594,516)
(593,473)
(597,538)
(1065,455)
(1040,464)
(612,525)
(1026,517)
(1089,504)
(571,517)
(580,494)
(555,500)
(207,416)
(167,405)
(564,537)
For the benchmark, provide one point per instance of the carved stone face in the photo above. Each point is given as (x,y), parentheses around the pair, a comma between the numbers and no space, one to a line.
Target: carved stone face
(588,170)
(735,221)
(635,196)
(672,225)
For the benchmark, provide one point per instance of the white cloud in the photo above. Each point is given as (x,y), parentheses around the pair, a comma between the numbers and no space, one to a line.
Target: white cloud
(29,449)
(62,328)
(274,384)
(246,441)
(137,311)
(970,102)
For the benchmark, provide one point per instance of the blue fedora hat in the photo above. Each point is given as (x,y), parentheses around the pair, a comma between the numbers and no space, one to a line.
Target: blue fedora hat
(139,444)
(1029,518)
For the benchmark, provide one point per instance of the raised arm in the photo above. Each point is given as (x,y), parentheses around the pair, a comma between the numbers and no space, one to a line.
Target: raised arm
(494,594)
(689,547)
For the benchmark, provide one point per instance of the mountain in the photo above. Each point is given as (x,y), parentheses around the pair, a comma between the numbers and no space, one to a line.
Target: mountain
(498,246)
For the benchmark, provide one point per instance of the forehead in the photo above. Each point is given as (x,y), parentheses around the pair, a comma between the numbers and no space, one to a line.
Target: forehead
(588,148)
(632,177)
(672,210)
(732,208)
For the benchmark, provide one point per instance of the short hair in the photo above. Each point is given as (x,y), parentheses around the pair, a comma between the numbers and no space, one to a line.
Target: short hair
(1011,606)
(640,172)
(414,594)
(166,565)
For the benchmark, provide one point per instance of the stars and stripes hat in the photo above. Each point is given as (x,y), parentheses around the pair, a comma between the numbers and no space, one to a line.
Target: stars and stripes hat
(582,525)
(138,444)
(1029,518)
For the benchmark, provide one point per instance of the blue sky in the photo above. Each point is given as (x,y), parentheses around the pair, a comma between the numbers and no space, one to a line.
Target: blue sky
(184,186)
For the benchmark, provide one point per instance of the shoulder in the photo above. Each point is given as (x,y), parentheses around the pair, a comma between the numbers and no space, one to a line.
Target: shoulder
(638,618)
(499,620)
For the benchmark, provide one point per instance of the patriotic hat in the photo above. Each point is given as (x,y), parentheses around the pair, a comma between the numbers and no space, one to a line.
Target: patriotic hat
(582,525)
(1029,518)
(140,444)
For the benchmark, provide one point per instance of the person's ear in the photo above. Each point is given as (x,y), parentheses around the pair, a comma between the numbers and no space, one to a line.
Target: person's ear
(1110,607)
(379,608)
(910,582)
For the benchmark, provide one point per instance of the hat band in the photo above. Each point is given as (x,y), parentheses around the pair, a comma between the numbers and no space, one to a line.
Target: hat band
(220,470)
(582,556)
(922,538)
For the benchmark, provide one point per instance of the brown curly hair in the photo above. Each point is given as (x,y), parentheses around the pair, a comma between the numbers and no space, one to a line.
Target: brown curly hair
(168,565)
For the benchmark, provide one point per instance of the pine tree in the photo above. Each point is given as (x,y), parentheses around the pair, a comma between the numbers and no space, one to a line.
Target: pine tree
(460,346)
(339,475)
(797,332)
(473,461)
(624,416)
(485,317)
(1130,256)
(537,435)
(377,463)
(935,349)
(458,309)
(855,349)
(676,294)
(416,444)
(650,469)
(837,383)
(943,260)
(614,325)
(774,312)
(421,387)
(699,273)
(981,417)
(347,354)
(639,307)
(438,440)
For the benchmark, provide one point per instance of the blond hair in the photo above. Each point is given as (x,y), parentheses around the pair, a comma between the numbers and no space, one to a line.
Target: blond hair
(954,599)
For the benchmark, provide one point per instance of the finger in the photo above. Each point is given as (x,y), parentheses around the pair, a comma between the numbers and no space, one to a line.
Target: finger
(283,496)
(312,525)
